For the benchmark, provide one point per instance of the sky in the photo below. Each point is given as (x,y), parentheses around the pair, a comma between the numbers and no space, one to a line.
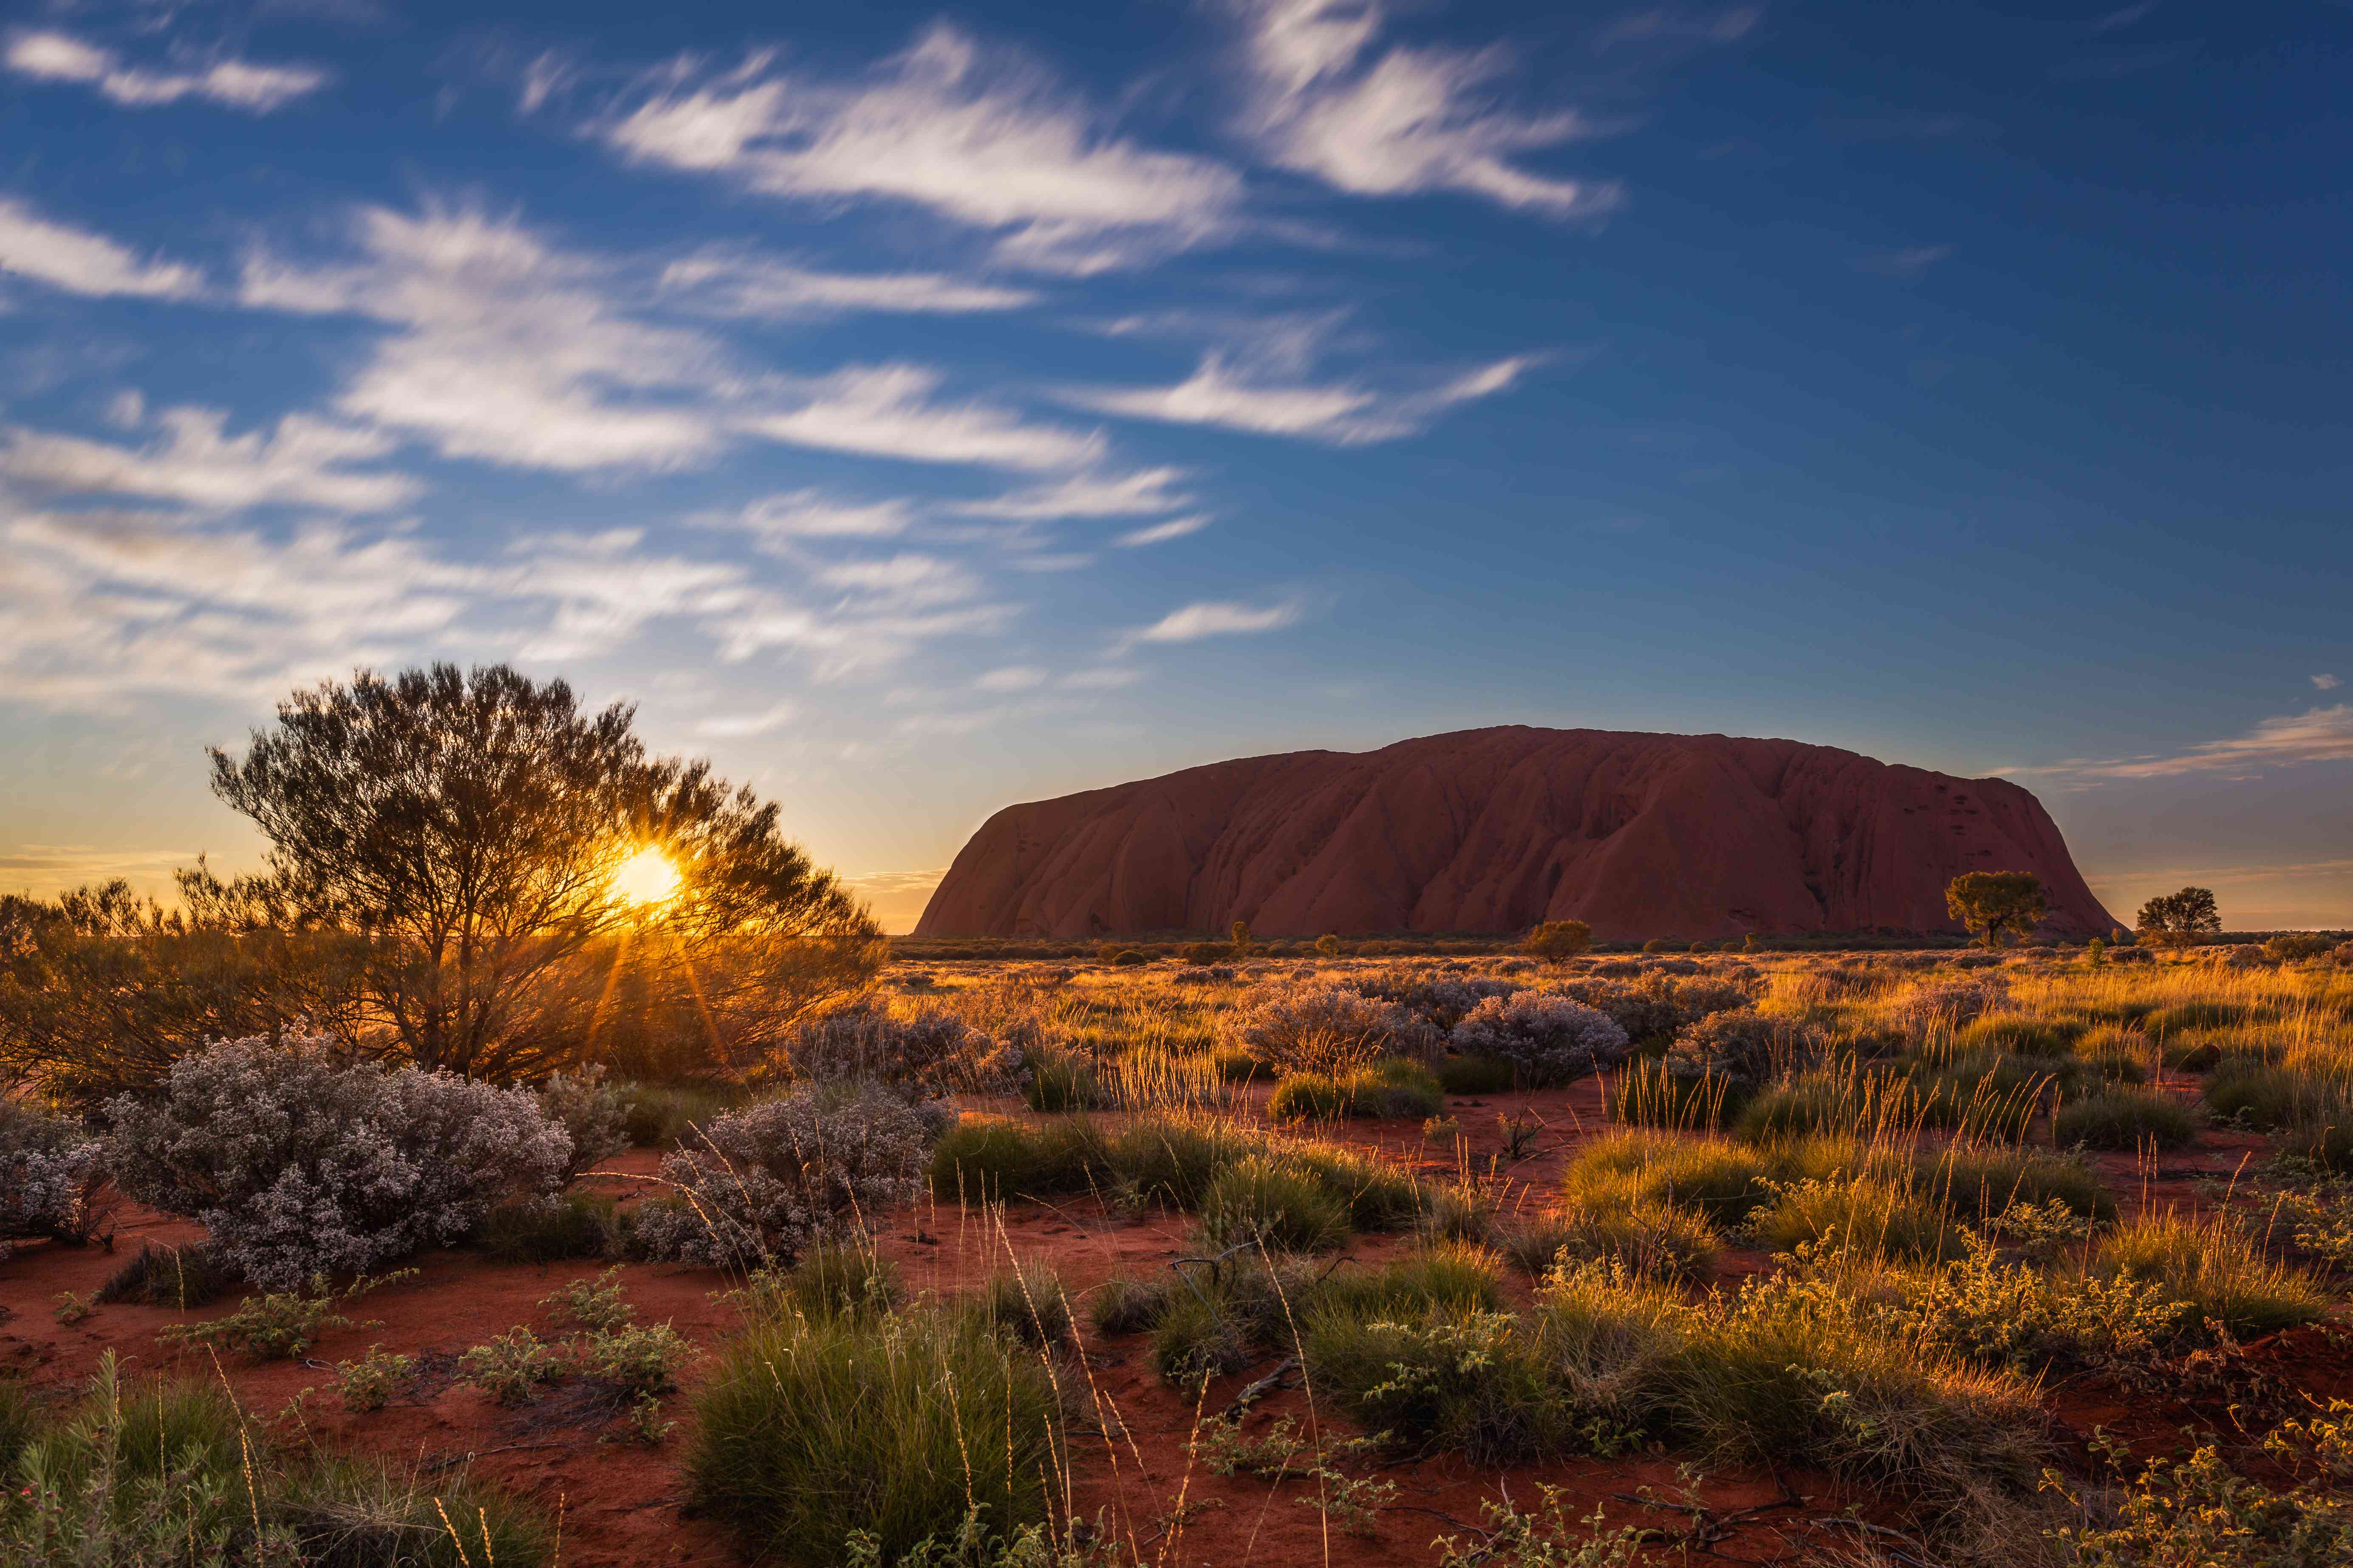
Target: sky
(917,410)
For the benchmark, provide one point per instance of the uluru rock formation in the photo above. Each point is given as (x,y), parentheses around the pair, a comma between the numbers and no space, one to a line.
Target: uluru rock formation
(1699,836)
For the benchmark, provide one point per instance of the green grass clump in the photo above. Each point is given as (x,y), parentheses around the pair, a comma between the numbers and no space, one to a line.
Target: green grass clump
(1274,1205)
(1648,1094)
(1477,1074)
(2183,1017)
(1721,1181)
(2020,1034)
(1376,1195)
(1065,1082)
(809,1430)
(987,1159)
(832,1280)
(2124,1118)
(171,1474)
(2263,1098)
(2117,1054)
(1447,1381)
(1974,1183)
(1028,1303)
(1859,1215)
(1387,1091)
(1656,1240)
(1172,1160)
(2208,1262)
(1236,1065)
(1450,1274)
(551,1230)
(1124,1304)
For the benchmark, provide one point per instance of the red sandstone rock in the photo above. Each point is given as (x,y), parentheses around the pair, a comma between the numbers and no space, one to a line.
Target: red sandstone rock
(1698,836)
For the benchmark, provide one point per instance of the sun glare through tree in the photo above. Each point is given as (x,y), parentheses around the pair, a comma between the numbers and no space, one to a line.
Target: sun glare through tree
(647,877)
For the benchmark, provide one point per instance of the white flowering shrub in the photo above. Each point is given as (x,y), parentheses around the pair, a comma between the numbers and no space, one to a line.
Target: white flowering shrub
(300,1163)
(1742,1046)
(771,1180)
(1438,998)
(1322,1027)
(921,1055)
(591,1109)
(1552,1040)
(52,1179)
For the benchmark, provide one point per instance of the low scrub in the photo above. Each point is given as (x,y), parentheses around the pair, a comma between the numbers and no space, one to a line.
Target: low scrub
(1548,1040)
(52,1179)
(553,1230)
(181,1278)
(810,1430)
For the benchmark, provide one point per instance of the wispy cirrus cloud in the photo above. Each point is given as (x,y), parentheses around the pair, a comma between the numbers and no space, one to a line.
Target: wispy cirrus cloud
(510,350)
(1138,494)
(730,283)
(889,411)
(2326,683)
(2314,735)
(777,520)
(1328,101)
(80,262)
(507,349)
(1343,413)
(230,82)
(1162,532)
(302,461)
(981,139)
(1213,618)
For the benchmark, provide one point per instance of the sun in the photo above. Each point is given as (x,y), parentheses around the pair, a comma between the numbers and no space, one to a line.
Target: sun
(647,877)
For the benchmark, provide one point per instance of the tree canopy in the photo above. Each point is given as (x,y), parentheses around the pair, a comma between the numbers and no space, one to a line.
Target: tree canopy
(2185,916)
(1997,905)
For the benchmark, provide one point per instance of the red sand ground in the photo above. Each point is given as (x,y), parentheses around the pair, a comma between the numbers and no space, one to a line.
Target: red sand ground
(621,1503)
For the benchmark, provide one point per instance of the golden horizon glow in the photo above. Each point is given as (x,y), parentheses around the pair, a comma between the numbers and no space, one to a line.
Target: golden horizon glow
(647,877)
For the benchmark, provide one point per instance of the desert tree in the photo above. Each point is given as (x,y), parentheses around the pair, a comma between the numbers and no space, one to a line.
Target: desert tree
(2182,917)
(1996,906)
(1553,941)
(470,827)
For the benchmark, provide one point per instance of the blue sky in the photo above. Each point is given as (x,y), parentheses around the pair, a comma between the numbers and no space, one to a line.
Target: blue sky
(918,410)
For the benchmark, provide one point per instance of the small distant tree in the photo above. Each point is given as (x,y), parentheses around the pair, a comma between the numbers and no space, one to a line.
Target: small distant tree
(2183,916)
(1554,941)
(1998,906)
(1243,947)
(1328,944)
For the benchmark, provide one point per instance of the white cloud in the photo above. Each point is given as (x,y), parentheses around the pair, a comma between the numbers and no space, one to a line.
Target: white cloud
(509,350)
(97,607)
(2326,683)
(2316,735)
(1348,414)
(886,411)
(1013,677)
(303,462)
(907,581)
(1162,532)
(1138,494)
(729,726)
(1213,618)
(1394,123)
(235,83)
(604,589)
(989,143)
(723,283)
(810,515)
(83,263)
